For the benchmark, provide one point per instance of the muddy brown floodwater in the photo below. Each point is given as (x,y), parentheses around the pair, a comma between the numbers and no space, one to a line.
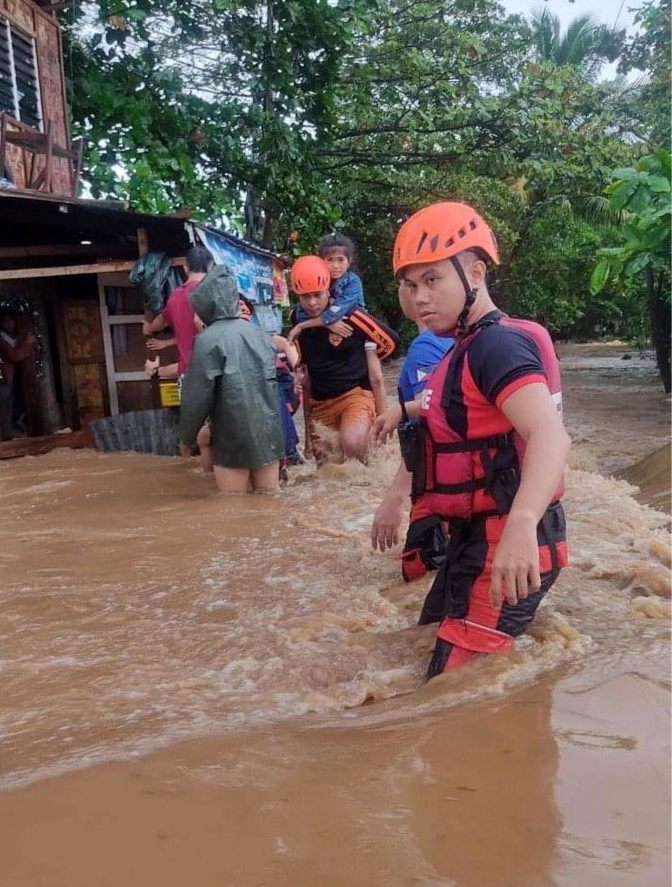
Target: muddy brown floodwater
(197,689)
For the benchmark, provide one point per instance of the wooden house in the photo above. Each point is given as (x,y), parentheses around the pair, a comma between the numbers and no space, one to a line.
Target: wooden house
(65,261)
(35,148)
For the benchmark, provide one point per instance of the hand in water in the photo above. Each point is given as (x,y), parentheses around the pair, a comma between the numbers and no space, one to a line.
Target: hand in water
(341,328)
(185,450)
(385,426)
(515,567)
(386,522)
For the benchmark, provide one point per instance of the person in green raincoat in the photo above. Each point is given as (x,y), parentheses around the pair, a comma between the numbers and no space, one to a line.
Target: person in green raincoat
(231,379)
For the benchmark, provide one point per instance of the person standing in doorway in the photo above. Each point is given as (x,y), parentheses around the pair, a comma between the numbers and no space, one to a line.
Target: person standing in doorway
(14,349)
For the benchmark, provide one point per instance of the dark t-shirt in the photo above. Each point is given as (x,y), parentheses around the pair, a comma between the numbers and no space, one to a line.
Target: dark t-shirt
(335,365)
(499,361)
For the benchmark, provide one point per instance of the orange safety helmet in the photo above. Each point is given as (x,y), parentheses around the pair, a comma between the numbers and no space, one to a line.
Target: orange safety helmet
(310,274)
(440,231)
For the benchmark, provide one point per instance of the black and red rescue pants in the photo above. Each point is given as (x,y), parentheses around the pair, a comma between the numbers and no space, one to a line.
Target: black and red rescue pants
(459,598)
(425,545)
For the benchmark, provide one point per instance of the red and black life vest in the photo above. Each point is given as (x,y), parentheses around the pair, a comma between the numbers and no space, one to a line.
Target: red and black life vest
(460,477)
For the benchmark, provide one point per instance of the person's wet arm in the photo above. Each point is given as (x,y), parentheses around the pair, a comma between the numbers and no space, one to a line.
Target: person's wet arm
(376,380)
(298,328)
(534,415)
(386,424)
(340,327)
(290,350)
(390,513)
(349,298)
(155,326)
(198,392)
(159,344)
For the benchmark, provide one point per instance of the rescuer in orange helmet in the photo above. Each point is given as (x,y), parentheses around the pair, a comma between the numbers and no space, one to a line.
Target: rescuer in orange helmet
(491,446)
(344,376)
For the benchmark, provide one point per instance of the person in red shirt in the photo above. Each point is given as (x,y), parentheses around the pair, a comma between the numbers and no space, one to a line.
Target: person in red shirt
(178,312)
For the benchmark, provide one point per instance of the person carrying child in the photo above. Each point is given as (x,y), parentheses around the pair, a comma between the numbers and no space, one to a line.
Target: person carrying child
(343,370)
(346,293)
(346,309)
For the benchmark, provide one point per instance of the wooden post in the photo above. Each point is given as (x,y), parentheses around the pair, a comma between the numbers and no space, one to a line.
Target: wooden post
(49,161)
(143,244)
(3,143)
(77,166)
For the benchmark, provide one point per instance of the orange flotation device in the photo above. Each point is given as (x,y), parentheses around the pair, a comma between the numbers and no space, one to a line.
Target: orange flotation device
(387,341)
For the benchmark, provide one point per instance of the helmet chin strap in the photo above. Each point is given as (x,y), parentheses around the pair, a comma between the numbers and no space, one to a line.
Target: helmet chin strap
(471,294)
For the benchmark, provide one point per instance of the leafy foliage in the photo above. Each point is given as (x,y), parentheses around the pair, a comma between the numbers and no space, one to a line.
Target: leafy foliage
(641,194)
(177,96)
(650,51)
(585,42)
(288,119)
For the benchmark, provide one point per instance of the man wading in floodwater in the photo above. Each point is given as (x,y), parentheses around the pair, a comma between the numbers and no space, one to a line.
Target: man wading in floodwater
(491,446)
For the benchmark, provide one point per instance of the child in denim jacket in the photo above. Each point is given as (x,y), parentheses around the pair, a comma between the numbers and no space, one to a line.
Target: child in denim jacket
(345,290)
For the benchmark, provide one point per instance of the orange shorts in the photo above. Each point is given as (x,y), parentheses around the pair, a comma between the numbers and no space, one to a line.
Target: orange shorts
(356,405)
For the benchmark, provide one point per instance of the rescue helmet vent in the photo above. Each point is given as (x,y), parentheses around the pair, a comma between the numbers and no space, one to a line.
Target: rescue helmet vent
(440,231)
(310,274)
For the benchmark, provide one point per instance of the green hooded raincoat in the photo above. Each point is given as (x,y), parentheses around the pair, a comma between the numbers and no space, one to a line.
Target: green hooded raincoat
(232,379)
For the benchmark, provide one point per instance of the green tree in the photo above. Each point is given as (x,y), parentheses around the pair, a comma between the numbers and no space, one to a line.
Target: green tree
(650,50)
(176,96)
(459,111)
(289,119)
(641,194)
(585,43)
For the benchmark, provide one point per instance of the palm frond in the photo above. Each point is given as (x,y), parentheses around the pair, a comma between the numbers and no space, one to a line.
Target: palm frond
(596,209)
(584,39)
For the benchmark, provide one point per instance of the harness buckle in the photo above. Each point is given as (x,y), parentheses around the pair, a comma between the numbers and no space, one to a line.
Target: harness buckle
(508,475)
(500,441)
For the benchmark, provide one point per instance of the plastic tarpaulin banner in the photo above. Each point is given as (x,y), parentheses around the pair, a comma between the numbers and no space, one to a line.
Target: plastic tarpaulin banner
(259,277)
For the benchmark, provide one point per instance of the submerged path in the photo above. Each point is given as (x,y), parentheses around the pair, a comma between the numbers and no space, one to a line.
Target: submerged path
(139,610)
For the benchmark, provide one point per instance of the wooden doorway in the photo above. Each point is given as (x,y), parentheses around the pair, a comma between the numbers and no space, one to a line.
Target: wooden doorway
(122,316)
(85,360)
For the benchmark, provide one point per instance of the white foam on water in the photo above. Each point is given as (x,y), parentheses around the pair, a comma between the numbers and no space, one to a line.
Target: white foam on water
(172,618)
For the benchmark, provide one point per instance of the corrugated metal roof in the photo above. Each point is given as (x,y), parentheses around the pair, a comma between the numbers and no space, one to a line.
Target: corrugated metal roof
(242,244)
(10,197)
(33,216)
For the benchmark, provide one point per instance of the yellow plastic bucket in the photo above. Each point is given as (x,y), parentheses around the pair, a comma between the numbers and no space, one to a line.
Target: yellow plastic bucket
(170,394)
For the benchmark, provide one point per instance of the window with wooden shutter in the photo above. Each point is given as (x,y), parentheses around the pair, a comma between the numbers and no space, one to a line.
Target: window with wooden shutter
(19,86)
(7,96)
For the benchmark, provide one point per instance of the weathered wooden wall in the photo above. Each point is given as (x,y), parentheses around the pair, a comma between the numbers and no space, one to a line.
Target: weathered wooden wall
(42,26)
